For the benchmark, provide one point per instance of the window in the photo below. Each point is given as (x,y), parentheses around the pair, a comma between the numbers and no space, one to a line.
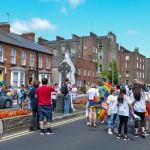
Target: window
(48,63)
(100,45)
(137,58)
(127,74)
(79,71)
(79,83)
(63,49)
(31,60)
(73,52)
(140,60)
(143,60)
(17,78)
(140,66)
(127,57)
(93,74)
(21,78)
(40,61)
(100,68)
(137,65)
(140,75)
(127,64)
(84,47)
(93,49)
(143,75)
(96,50)
(13,56)
(1,53)
(84,72)
(88,72)
(23,58)
(100,55)
(143,67)
(137,74)
(55,52)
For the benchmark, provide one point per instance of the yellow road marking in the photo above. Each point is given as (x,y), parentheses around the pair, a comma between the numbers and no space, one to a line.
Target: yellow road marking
(27,132)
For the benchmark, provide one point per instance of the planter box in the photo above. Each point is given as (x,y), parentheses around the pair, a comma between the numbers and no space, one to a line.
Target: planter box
(15,123)
(79,106)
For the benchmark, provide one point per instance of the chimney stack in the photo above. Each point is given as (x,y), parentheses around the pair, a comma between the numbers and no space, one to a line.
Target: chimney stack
(5,26)
(29,35)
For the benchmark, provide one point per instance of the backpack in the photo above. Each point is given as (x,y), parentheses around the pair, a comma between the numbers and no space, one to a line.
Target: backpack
(64,88)
(22,94)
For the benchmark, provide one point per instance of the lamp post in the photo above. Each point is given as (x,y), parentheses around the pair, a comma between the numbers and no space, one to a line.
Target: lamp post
(112,74)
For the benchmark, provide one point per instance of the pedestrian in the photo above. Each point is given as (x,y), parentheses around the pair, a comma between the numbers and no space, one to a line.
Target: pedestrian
(54,95)
(66,91)
(73,96)
(22,97)
(93,91)
(113,109)
(34,107)
(43,94)
(124,103)
(139,98)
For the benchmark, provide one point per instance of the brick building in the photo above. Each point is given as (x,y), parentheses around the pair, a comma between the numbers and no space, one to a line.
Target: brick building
(131,66)
(22,60)
(93,48)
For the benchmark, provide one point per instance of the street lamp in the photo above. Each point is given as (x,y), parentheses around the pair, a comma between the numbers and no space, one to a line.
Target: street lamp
(111,69)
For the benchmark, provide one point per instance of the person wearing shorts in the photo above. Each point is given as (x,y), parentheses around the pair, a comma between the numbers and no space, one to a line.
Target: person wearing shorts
(43,94)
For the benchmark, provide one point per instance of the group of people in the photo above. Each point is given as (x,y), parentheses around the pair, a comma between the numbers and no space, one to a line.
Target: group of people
(122,103)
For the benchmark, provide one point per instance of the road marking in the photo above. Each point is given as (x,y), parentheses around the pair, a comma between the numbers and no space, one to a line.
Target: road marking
(27,132)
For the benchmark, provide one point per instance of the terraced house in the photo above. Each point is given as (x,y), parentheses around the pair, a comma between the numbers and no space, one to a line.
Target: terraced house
(22,60)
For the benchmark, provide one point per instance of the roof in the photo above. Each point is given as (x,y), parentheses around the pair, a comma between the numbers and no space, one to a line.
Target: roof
(57,60)
(18,40)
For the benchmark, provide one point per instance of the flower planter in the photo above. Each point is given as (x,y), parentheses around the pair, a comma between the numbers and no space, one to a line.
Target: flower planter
(14,124)
(79,106)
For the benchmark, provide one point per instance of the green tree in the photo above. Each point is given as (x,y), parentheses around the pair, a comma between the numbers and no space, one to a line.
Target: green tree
(105,74)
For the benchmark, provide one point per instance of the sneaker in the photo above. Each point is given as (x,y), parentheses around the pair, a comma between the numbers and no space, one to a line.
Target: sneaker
(42,132)
(146,133)
(119,136)
(102,121)
(126,138)
(136,135)
(143,135)
(109,131)
(87,123)
(116,130)
(49,131)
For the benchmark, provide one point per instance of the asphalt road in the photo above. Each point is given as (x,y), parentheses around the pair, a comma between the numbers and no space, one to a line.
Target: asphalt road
(76,135)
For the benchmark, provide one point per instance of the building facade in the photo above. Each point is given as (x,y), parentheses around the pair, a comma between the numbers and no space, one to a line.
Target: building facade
(131,66)
(22,60)
(93,48)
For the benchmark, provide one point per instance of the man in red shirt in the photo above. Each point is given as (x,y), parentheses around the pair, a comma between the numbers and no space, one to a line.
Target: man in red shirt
(43,94)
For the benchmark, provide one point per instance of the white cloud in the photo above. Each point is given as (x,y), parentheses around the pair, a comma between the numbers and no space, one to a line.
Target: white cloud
(132,32)
(64,10)
(74,3)
(20,26)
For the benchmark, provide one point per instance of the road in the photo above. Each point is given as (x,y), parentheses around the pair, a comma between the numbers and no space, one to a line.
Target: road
(75,135)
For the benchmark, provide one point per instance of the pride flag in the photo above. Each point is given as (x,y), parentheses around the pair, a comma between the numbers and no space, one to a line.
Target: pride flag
(101,113)
(107,87)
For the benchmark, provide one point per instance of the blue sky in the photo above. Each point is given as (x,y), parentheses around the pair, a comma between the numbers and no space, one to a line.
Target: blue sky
(127,19)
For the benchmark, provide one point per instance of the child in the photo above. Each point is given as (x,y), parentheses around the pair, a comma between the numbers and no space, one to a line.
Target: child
(113,110)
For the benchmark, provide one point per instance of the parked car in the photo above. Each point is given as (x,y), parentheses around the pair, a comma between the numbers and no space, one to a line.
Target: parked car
(5,100)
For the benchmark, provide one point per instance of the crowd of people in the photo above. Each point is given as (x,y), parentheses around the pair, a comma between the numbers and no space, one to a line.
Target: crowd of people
(41,99)
(122,103)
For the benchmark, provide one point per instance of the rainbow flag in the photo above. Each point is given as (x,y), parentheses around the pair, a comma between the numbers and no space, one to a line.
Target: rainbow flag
(96,99)
(94,104)
(101,113)
(107,87)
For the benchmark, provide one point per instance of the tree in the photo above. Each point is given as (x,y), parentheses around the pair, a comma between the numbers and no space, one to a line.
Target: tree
(113,65)
(105,74)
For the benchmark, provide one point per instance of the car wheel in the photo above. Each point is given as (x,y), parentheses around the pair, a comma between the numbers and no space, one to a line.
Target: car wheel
(7,104)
